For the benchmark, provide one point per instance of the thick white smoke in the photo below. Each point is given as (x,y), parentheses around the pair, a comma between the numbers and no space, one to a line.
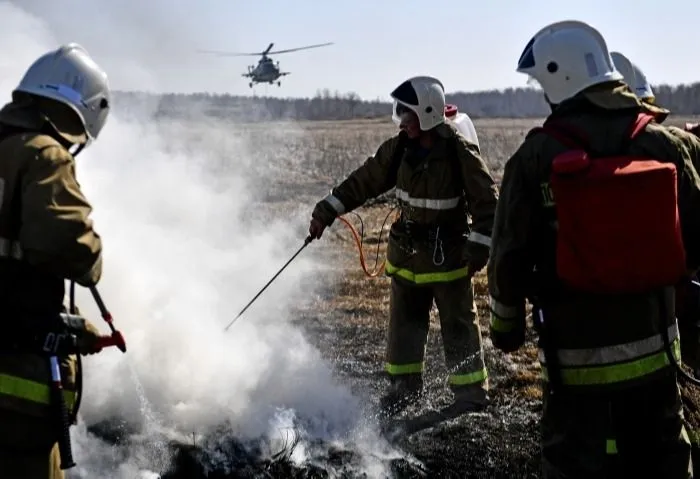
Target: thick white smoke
(179,262)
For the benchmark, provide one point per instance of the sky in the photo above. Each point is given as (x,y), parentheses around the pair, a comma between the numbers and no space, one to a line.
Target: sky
(469,45)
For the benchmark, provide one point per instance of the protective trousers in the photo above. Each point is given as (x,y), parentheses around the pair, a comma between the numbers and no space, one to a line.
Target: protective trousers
(409,322)
(636,432)
(25,448)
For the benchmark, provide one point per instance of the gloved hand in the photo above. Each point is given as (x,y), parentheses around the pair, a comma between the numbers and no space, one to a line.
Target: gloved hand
(86,333)
(321,218)
(88,342)
(477,256)
(316,228)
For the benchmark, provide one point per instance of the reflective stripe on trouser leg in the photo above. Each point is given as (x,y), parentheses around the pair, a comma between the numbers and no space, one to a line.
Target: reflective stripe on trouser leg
(461,335)
(409,320)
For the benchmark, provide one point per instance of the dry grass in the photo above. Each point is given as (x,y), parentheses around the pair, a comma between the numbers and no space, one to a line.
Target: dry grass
(302,161)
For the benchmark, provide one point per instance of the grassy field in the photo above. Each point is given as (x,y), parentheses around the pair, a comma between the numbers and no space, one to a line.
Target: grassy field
(294,165)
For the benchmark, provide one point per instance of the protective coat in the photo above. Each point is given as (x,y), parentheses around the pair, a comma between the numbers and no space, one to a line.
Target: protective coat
(45,236)
(436,189)
(604,344)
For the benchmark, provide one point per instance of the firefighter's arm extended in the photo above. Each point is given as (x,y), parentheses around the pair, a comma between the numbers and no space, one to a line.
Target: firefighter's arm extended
(482,196)
(511,262)
(368,181)
(56,233)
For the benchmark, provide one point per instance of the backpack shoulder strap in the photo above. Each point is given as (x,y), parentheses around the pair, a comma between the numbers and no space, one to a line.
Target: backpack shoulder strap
(564,133)
(643,119)
(395,162)
(574,139)
(453,151)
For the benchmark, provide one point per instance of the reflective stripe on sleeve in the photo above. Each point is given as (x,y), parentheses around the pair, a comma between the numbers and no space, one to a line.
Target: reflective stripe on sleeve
(337,205)
(475,237)
(503,317)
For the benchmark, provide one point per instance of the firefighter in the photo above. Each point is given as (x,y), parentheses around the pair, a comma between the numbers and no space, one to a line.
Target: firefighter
(611,402)
(433,252)
(46,237)
(687,293)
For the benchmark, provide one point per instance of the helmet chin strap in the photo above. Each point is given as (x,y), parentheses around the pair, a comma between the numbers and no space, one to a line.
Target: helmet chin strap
(552,106)
(77,151)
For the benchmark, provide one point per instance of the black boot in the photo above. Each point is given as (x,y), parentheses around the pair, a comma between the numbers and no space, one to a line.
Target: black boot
(472,398)
(404,390)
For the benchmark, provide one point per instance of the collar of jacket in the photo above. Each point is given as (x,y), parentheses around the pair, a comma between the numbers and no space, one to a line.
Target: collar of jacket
(612,96)
(660,113)
(26,116)
(444,130)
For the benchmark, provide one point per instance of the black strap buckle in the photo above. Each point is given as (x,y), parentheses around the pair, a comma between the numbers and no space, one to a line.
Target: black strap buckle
(57,344)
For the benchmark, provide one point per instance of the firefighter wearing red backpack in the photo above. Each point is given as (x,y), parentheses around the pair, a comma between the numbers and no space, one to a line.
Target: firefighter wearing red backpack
(598,219)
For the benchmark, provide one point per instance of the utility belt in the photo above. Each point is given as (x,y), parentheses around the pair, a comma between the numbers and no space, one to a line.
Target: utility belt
(55,337)
(429,232)
(411,237)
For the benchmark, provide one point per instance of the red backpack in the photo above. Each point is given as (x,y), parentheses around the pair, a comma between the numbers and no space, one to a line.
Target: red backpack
(618,224)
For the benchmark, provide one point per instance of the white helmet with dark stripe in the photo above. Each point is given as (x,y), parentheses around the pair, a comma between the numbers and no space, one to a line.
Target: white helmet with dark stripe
(423,95)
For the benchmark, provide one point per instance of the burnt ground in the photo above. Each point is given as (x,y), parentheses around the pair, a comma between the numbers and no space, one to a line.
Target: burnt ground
(501,442)
(347,323)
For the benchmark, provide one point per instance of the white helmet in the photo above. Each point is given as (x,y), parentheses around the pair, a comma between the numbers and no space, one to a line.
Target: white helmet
(70,76)
(633,76)
(423,95)
(566,58)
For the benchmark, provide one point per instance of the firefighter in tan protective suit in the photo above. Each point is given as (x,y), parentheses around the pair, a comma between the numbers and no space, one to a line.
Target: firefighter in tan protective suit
(616,410)
(45,237)
(433,252)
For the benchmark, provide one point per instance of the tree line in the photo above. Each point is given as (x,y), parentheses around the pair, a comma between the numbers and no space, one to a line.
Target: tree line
(327,105)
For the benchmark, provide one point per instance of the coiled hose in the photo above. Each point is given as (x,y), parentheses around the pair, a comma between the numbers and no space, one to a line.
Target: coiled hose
(360,239)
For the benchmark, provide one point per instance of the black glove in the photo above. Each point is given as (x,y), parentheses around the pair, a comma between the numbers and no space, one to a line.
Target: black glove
(323,216)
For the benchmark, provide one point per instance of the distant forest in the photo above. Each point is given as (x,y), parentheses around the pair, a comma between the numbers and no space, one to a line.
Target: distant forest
(327,105)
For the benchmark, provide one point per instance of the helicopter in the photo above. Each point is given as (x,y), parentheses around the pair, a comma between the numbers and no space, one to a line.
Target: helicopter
(266,71)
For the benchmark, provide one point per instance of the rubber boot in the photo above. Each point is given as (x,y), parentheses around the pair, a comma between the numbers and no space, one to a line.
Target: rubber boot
(467,399)
(403,390)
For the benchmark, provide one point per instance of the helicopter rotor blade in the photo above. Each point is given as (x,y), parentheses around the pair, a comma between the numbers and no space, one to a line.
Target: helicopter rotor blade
(230,54)
(300,48)
(267,50)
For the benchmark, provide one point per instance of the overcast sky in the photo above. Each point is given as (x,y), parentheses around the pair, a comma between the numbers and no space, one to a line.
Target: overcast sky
(469,45)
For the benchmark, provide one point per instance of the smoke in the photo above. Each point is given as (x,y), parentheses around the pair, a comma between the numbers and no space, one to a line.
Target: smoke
(181,255)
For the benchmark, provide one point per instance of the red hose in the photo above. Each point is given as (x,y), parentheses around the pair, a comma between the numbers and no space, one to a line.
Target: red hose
(378,268)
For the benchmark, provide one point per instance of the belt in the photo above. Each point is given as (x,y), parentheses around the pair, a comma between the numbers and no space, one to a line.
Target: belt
(421,231)
(48,339)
